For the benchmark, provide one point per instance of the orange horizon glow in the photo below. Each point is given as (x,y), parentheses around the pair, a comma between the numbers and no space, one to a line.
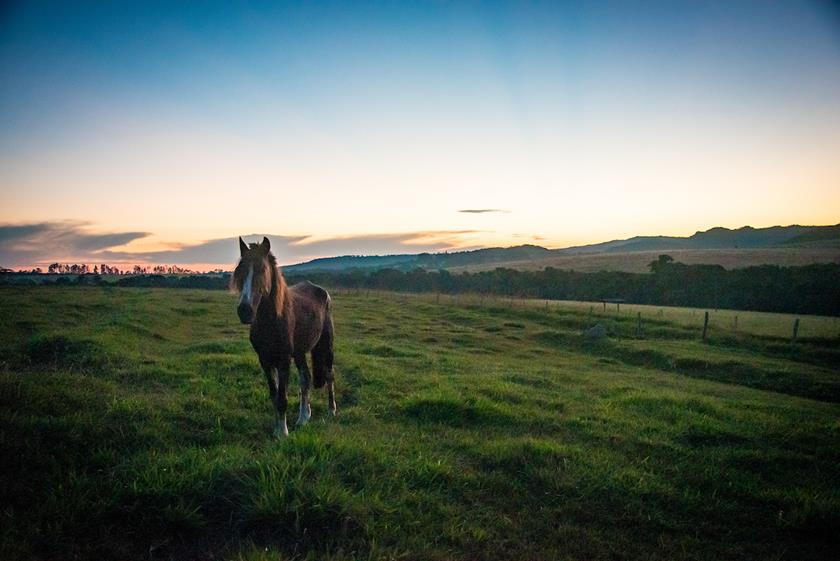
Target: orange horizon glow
(582,125)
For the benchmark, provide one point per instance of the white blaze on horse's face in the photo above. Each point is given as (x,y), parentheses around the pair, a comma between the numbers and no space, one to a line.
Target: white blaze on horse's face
(247,287)
(246,308)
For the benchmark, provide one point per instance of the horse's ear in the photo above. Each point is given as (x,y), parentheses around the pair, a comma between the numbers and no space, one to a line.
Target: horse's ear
(266,245)
(243,247)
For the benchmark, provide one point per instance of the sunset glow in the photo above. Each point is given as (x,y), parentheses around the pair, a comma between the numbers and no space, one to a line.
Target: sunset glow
(356,130)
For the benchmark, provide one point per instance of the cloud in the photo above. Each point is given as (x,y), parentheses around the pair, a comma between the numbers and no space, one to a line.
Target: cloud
(27,245)
(531,236)
(377,244)
(23,245)
(483,210)
(293,249)
(219,251)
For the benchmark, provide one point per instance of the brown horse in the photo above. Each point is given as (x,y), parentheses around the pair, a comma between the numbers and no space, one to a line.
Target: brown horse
(287,322)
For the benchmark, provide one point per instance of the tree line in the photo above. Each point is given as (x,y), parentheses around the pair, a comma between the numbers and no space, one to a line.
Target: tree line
(810,289)
(105,269)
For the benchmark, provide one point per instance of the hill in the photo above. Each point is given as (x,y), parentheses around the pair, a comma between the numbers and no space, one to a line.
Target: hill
(739,245)
(637,261)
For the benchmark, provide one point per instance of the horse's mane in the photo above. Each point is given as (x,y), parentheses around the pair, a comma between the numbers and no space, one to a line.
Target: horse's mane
(279,289)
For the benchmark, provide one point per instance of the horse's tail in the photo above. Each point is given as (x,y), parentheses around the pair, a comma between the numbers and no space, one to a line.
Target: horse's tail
(322,353)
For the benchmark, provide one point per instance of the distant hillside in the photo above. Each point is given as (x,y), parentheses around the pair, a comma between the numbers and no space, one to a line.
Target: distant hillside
(826,235)
(717,238)
(410,261)
(638,261)
(739,242)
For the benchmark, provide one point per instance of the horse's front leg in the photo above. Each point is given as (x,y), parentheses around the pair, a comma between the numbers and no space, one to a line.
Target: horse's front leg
(305,383)
(281,430)
(271,379)
(277,381)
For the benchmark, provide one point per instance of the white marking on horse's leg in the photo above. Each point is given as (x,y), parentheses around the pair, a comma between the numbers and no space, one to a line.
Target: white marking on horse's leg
(280,428)
(245,297)
(305,410)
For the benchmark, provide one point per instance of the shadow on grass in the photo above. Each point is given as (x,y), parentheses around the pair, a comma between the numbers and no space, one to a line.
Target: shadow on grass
(730,371)
(456,412)
(59,351)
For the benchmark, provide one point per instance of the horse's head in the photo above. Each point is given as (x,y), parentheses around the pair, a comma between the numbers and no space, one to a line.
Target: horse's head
(252,277)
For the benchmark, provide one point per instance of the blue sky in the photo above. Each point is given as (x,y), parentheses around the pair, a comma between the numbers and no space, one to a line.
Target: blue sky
(325,123)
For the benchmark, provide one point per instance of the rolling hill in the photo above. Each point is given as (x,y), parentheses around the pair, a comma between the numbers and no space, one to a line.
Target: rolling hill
(782,245)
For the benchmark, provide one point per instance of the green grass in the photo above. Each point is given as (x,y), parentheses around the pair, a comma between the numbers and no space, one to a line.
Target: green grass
(722,322)
(135,424)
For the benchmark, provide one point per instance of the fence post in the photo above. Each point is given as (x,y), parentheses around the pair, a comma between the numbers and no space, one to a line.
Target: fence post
(639,324)
(736,323)
(705,325)
(795,329)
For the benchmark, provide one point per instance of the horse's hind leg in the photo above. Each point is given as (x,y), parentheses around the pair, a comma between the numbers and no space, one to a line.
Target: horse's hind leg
(305,383)
(322,362)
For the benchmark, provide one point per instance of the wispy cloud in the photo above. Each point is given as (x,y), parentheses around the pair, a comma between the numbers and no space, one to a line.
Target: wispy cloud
(531,236)
(215,252)
(30,244)
(292,249)
(26,245)
(483,210)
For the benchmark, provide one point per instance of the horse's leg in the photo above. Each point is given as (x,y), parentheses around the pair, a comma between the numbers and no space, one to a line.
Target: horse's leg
(322,362)
(281,402)
(271,379)
(331,397)
(305,383)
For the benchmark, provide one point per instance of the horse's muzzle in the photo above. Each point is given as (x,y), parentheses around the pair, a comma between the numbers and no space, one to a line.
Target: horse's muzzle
(246,314)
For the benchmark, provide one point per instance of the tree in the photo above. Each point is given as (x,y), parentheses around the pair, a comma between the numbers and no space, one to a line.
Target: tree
(660,264)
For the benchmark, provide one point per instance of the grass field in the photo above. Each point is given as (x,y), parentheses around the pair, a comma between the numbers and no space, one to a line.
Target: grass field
(135,424)
(732,323)
(721,322)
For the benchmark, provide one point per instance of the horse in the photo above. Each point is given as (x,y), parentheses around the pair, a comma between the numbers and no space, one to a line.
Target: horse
(287,322)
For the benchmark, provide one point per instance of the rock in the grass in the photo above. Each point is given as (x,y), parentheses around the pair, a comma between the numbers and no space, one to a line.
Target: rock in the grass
(597,331)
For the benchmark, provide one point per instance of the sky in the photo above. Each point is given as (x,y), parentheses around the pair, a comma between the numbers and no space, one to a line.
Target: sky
(157,132)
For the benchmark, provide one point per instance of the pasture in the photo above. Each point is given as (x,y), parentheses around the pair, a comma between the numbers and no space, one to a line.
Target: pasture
(729,323)
(135,424)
